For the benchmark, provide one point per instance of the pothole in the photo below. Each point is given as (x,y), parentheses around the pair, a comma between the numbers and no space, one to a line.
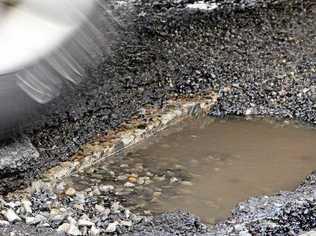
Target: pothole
(206,166)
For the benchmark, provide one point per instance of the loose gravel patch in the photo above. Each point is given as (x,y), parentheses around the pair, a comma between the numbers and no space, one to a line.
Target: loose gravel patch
(260,59)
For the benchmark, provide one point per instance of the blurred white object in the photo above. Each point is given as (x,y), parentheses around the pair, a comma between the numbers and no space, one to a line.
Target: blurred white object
(33,28)
(44,45)
(42,41)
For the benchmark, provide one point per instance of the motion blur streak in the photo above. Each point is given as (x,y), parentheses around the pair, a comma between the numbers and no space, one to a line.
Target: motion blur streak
(44,46)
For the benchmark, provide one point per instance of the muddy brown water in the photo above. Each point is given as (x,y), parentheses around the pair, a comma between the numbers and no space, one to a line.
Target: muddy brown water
(229,161)
(207,166)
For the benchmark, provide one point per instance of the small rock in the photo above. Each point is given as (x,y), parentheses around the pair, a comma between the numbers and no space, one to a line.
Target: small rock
(71,220)
(79,207)
(57,218)
(102,209)
(135,218)
(249,111)
(11,216)
(132,179)
(69,229)
(111,228)
(160,178)
(27,205)
(85,222)
(186,183)
(238,227)
(80,198)
(63,227)
(70,192)
(146,212)
(116,207)
(60,188)
(34,220)
(45,225)
(4,223)
(121,177)
(54,211)
(129,185)
(94,231)
(96,191)
(106,188)
(157,194)
(127,213)
(173,180)
(126,223)
(244,233)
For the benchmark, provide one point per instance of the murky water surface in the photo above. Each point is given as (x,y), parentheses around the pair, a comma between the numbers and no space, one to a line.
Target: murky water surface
(208,166)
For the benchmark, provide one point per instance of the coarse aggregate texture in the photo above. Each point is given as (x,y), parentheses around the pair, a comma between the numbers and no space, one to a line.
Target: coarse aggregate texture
(260,58)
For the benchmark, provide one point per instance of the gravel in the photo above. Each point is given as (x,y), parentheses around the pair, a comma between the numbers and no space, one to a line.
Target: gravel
(261,60)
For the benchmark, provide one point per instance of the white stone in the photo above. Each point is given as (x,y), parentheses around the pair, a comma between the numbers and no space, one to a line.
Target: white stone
(63,227)
(201,5)
(69,229)
(11,216)
(94,231)
(27,205)
(74,230)
(85,222)
(244,233)
(173,180)
(115,207)
(71,192)
(111,227)
(129,185)
(106,188)
(310,233)
(4,223)
(126,223)
(34,220)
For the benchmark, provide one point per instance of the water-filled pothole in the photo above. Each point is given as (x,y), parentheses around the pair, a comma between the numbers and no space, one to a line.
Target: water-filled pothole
(207,166)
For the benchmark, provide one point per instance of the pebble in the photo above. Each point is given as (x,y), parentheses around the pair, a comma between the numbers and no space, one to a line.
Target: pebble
(69,229)
(129,185)
(27,205)
(79,207)
(147,212)
(70,192)
(132,179)
(85,222)
(4,223)
(186,183)
(238,227)
(95,192)
(160,178)
(121,177)
(173,180)
(116,207)
(126,223)
(106,188)
(103,210)
(63,227)
(45,225)
(94,231)
(111,228)
(244,233)
(35,220)
(11,216)
(60,188)
(157,194)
